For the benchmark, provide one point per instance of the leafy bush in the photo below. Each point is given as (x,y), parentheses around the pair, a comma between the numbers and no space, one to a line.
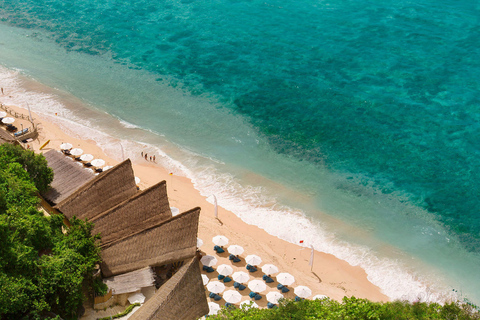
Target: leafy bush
(121,314)
(99,287)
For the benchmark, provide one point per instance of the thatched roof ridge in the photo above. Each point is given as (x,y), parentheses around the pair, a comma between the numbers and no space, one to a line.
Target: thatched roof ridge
(6,137)
(131,281)
(68,176)
(163,243)
(181,297)
(140,211)
(107,190)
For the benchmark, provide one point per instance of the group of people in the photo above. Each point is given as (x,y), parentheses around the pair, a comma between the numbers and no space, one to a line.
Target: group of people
(145,155)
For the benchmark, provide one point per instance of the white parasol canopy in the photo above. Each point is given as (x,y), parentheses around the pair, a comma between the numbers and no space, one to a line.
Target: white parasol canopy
(269,269)
(199,242)
(257,286)
(208,260)
(136,297)
(253,259)
(215,286)
(224,270)
(66,146)
(274,296)
(285,278)
(3,114)
(76,151)
(235,249)
(97,162)
(220,240)
(232,296)
(247,304)
(137,180)
(8,120)
(240,277)
(86,157)
(213,308)
(320,297)
(205,279)
(303,292)
(175,211)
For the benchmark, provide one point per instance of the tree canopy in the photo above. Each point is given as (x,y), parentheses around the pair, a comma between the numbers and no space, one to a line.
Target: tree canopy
(42,269)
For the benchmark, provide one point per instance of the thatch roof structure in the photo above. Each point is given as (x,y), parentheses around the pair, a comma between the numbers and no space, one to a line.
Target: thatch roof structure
(181,297)
(6,137)
(131,281)
(139,212)
(68,176)
(162,243)
(107,190)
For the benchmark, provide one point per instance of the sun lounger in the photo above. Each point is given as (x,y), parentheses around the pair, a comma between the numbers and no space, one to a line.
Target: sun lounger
(251,268)
(252,294)
(285,289)
(220,277)
(208,269)
(227,279)
(242,287)
(230,305)
(214,296)
(236,284)
(234,258)
(267,279)
(258,297)
(297,298)
(218,249)
(271,305)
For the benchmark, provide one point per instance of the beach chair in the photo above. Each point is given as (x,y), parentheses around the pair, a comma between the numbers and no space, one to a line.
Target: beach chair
(267,279)
(215,296)
(220,277)
(252,294)
(242,287)
(285,289)
(218,249)
(208,269)
(271,305)
(230,305)
(251,268)
(227,279)
(234,258)
(297,298)
(258,297)
(236,285)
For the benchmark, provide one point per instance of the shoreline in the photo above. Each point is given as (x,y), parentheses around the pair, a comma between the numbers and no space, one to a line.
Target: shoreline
(329,276)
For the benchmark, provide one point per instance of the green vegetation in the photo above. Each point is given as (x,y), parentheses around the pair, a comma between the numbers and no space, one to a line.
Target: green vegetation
(354,309)
(121,314)
(42,270)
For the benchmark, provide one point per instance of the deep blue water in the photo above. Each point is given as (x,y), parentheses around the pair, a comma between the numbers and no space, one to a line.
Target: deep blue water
(385,90)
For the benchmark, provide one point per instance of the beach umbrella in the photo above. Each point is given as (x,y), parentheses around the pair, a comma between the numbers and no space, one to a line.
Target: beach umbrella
(3,114)
(274,296)
(205,279)
(253,259)
(97,162)
(76,151)
(247,304)
(66,146)
(303,292)
(220,240)
(240,277)
(213,308)
(257,286)
(137,180)
(8,120)
(215,286)
(320,297)
(86,157)
(199,242)
(136,297)
(175,211)
(208,260)
(269,269)
(232,296)
(106,168)
(235,249)
(285,278)
(224,270)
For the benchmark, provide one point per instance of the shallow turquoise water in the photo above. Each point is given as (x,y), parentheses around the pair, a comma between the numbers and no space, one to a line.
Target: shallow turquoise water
(368,110)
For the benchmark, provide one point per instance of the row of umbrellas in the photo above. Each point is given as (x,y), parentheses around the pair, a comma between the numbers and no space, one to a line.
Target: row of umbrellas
(256,286)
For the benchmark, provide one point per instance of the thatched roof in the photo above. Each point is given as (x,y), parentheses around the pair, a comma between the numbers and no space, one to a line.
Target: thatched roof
(163,243)
(139,212)
(131,281)
(68,176)
(181,297)
(107,190)
(5,137)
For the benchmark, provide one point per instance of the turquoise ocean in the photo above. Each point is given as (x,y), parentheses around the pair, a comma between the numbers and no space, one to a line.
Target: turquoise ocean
(351,125)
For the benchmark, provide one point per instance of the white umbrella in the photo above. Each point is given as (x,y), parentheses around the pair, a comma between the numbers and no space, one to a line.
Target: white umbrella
(199,242)
(269,269)
(303,292)
(235,249)
(220,240)
(137,180)
(106,168)
(215,286)
(3,114)
(86,157)
(224,270)
(175,211)
(97,162)
(208,260)
(205,279)
(285,278)
(248,304)
(274,296)
(8,120)
(66,146)
(320,297)
(257,286)
(136,297)
(76,151)
(254,260)
(232,296)
(213,308)
(240,277)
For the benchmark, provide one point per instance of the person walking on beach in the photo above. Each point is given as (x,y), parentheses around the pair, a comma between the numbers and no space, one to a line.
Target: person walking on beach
(150,158)
(142,154)
(145,156)
(153,158)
